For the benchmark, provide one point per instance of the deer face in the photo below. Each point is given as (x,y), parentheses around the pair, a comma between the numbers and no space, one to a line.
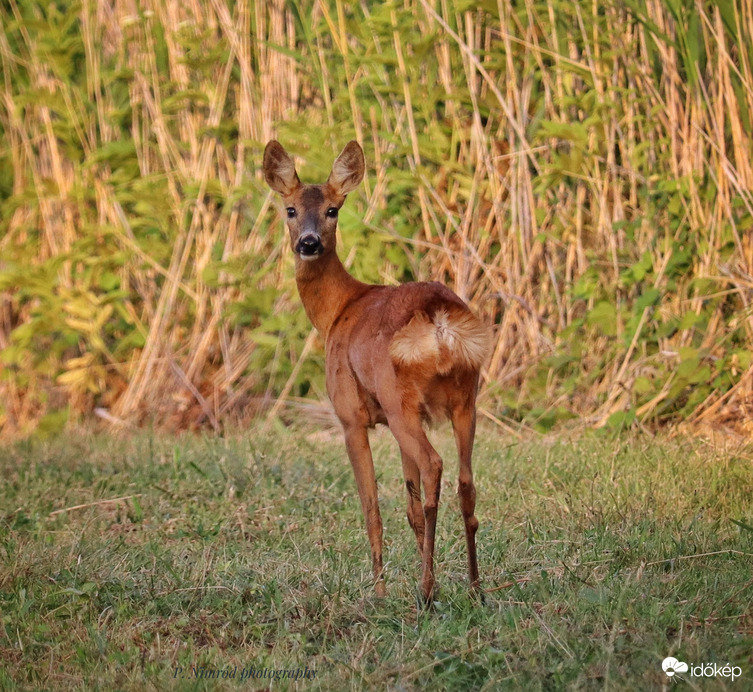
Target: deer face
(312,209)
(312,220)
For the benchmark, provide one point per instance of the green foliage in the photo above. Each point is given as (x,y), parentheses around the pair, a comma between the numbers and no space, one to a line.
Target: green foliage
(580,173)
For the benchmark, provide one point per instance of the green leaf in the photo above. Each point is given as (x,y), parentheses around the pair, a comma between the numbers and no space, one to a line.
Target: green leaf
(574,132)
(603,317)
(648,298)
(52,423)
(643,385)
(620,420)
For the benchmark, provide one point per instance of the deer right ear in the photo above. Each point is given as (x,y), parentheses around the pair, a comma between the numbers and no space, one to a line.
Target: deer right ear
(279,169)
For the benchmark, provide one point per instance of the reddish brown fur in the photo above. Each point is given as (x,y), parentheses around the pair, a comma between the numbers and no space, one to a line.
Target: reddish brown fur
(398,355)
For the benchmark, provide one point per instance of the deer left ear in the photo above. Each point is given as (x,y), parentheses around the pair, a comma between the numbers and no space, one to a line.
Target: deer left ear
(347,170)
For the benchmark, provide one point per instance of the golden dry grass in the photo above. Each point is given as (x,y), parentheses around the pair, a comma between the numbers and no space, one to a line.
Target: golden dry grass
(581,175)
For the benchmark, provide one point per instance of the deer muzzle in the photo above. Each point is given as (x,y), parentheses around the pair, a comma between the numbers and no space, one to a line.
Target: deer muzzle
(309,245)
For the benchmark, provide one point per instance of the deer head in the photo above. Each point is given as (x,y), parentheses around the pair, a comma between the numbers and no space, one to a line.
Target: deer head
(312,209)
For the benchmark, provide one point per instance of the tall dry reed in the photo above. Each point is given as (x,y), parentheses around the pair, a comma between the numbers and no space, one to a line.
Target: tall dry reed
(580,174)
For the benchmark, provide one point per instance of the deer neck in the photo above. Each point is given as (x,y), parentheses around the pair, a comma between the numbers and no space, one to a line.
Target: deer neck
(325,288)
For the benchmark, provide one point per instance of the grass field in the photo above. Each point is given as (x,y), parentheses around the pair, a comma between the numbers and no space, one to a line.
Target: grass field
(601,555)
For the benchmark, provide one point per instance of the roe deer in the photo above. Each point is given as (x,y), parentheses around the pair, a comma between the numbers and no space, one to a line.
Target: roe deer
(398,355)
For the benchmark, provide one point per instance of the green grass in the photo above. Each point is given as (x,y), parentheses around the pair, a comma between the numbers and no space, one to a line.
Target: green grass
(601,555)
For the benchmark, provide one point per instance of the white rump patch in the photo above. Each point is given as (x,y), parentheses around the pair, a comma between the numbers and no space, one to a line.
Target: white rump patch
(447,340)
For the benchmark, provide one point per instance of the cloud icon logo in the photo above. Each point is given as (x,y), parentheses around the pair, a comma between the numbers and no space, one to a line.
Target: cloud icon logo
(671,666)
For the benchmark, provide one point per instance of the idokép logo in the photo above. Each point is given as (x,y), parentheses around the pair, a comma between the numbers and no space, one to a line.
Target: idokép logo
(671,666)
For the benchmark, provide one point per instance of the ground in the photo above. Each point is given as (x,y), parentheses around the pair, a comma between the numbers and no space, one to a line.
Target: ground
(152,562)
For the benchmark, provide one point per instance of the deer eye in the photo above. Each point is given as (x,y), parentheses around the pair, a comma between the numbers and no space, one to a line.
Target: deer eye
(332,212)
(291,212)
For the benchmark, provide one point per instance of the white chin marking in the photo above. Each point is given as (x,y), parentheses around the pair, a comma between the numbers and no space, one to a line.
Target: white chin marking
(308,258)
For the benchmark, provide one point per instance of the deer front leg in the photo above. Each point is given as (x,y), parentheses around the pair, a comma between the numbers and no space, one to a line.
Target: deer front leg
(359,452)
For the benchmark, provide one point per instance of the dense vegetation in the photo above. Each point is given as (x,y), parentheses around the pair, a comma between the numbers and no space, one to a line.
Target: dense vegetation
(581,173)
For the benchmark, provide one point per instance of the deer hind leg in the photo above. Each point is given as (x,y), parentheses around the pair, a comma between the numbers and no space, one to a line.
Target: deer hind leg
(415,512)
(464,427)
(359,452)
(417,452)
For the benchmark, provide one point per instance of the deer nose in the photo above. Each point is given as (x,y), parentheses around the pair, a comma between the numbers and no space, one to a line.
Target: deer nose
(309,245)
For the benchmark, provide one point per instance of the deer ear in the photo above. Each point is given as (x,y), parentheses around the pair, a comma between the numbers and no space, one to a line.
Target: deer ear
(347,170)
(279,169)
